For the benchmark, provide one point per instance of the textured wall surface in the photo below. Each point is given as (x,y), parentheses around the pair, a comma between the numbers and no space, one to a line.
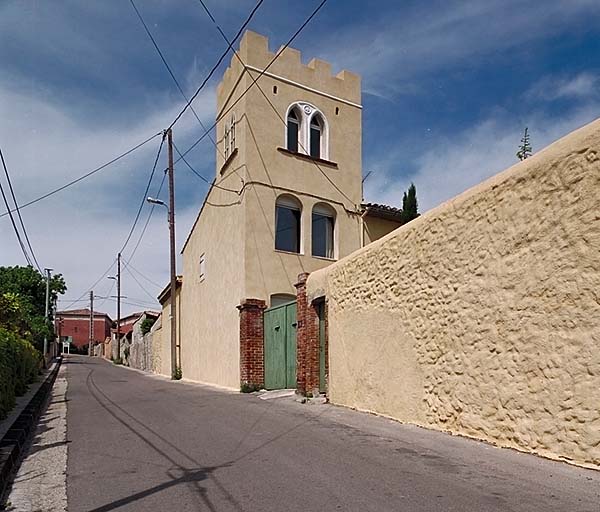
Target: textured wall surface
(482,317)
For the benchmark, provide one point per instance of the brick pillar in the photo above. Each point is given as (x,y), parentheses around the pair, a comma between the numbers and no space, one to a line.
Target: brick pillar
(307,341)
(252,359)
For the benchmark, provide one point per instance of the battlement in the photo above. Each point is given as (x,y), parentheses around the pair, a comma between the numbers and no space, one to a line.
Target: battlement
(317,74)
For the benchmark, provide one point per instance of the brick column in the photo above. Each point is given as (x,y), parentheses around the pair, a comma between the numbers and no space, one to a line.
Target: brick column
(252,359)
(307,341)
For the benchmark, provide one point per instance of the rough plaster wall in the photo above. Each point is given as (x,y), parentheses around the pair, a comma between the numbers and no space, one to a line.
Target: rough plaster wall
(482,317)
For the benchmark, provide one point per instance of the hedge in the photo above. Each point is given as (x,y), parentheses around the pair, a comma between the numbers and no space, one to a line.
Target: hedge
(19,365)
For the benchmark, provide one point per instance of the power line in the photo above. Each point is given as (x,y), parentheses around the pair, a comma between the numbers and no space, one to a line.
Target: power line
(131,267)
(214,68)
(140,284)
(148,219)
(205,180)
(12,220)
(164,61)
(267,99)
(93,285)
(277,55)
(145,195)
(12,192)
(94,171)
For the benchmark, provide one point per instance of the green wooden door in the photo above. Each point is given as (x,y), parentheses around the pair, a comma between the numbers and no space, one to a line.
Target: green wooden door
(280,347)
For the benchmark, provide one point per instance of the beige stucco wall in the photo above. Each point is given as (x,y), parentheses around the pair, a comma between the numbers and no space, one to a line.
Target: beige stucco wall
(162,337)
(376,228)
(482,317)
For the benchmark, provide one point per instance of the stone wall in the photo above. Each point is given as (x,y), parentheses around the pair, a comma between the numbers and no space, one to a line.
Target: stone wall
(482,317)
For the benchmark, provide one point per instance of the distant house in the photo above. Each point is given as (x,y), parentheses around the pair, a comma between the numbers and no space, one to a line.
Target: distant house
(76,324)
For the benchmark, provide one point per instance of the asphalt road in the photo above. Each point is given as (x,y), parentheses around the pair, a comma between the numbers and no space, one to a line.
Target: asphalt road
(139,442)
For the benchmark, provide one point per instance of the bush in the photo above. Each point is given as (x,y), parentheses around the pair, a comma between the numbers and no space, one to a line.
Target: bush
(147,325)
(19,366)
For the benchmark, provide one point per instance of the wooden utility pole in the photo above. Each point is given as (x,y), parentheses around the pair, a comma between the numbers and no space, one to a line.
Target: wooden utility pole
(118,306)
(90,346)
(173,323)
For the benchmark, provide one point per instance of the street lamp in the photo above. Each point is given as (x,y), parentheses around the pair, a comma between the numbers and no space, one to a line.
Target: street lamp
(173,285)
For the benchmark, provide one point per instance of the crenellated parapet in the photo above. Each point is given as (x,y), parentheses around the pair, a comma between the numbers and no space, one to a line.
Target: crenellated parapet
(317,74)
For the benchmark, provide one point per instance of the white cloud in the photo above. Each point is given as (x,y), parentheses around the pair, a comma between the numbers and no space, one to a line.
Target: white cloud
(461,161)
(581,86)
(403,44)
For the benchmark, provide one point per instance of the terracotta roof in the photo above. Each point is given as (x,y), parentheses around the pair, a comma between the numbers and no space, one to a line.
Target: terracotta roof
(383,211)
(81,312)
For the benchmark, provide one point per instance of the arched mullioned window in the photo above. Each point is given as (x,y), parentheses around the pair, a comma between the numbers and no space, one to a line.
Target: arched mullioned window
(323,231)
(288,215)
(307,131)
(293,129)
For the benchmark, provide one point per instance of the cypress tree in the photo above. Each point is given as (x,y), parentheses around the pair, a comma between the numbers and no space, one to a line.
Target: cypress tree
(410,208)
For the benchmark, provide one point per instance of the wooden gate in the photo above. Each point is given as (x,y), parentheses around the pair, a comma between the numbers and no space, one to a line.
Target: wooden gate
(280,347)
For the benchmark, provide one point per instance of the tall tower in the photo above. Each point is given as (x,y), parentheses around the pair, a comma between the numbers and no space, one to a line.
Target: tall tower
(293,138)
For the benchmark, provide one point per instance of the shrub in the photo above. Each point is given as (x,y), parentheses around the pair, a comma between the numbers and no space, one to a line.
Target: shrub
(177,373)
(147,325)
(19,366)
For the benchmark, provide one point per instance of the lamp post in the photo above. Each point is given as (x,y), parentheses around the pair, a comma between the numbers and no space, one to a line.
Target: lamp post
(173,286)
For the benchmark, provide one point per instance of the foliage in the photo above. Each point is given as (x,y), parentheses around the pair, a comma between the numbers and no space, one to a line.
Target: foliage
(410,208)
(525,147)
(118,360)
(23,302)
(147,325)
(177,374)
(19,364)
(247,387)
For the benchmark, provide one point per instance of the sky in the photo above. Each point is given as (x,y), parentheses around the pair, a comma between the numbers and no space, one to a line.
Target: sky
(448,88)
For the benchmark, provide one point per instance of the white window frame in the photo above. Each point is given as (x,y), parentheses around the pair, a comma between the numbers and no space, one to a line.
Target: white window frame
(307,112)
(325,210)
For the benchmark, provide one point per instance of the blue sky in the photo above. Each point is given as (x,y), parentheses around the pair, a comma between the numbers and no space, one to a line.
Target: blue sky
(448,88)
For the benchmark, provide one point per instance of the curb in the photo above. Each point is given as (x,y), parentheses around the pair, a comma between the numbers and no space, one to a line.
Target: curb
(20,432)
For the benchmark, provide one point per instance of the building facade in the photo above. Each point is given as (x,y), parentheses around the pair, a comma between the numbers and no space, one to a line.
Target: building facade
(286,200)
(75,323)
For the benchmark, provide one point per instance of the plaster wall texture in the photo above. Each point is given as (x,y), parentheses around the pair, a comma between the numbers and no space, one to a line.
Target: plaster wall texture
(376,228)
(235,231)
(162,343)
(482,317)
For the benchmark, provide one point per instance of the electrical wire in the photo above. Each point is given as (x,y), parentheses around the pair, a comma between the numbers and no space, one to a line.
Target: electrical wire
(276,56)
(89,288)
(86,175)
(164,61)
(267,99)
(144,196)
(12,220)
(140,284)
(131,267)
(12,193)
(214,68)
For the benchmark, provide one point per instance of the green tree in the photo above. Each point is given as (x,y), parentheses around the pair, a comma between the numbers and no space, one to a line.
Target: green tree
(23,302)
(410,207)
(525,147)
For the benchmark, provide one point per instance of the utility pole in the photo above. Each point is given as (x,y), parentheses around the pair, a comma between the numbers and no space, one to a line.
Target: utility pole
(118,306)
(90,346)
(174,362)
(48,271)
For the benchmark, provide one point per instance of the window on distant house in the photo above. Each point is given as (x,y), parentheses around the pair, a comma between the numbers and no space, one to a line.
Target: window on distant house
(288,214)
(202,267)
(323,231)
(293,129)
(316,129)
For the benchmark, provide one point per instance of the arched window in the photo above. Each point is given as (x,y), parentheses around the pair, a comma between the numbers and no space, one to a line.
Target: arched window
(316,135)
(293,130)
(288,214)
(323,231)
